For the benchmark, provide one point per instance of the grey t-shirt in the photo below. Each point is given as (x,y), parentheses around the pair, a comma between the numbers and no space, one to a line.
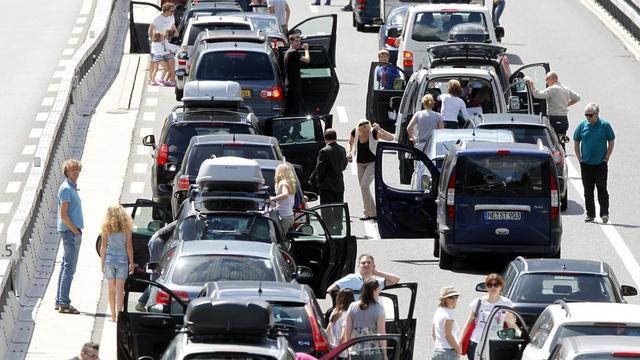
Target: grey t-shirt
(367,318)
(426,121)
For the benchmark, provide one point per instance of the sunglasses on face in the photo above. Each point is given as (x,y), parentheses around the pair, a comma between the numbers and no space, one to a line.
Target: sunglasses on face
(454,297)
(588,115)
(493,285)
(92,355)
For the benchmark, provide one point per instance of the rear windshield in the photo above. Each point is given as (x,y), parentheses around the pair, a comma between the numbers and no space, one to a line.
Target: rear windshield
(435,26)
(204,152)
(268,25)
(292,314)
(502,175)
(178,137)
(525,134)
(197,29)
(236,227)
(547,288)
(200,269)
(235,66)
(566,331)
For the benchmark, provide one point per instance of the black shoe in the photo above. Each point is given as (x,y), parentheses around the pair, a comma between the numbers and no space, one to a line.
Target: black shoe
(605,219)
(365,218)
(315,3)
(327,4)
(588,219)
(347,8)
(373,218)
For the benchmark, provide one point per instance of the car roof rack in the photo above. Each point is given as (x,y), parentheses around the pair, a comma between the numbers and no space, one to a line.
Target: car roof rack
(524,261)
(563,304)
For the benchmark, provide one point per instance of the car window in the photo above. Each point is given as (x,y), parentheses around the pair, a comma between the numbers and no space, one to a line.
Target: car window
(245,228)
(318,67)
(292,314)
(199,269)
(235,66)
(315,27)
(197,29)
(179,136)
(525,134)
(541,329)
(204,152)
(503,175)
(547,288)
(508,276)
(565,331)
(298,131)
(435,26)
(477,93)
(268,25)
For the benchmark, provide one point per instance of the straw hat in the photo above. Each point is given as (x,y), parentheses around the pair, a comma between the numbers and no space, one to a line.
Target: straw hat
(448,291)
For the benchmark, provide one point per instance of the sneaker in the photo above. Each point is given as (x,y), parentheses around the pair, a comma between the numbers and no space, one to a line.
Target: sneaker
(588,219)
(140,308)
(605,219)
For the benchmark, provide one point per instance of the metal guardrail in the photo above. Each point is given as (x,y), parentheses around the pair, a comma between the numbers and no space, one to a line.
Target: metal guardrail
(626,12)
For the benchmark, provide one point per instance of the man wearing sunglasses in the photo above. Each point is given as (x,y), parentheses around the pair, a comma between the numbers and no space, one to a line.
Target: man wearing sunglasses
(594,139)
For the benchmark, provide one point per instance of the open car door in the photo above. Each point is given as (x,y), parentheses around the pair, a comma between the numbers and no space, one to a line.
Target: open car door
(400,319)
(505,335)
(405,211)
(385,81)
(300,138)
(147,333)
(148,217)
(319,31)
(141,15)
(367,347)
(537,72)
(321,240)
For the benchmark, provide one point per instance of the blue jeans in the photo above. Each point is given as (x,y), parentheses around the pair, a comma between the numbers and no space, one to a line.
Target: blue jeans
(496,12)
(445,354)
(471,350)
(71,244)
(155,245)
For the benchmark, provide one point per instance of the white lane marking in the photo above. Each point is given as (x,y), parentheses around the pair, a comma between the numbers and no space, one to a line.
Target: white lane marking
(53,88)
(143,150)
(151,102)
(86,7)
(153,89)
(29,150)
(42,116)
(342,114)
(21,167)
(73,41)
(35,133)
(48,101)
(313,8)
(1,227)
(13,187)
(58,74)
(81,20)
(145,131)
(627,39)
(139,168)
(77,30)
(5,207)
(149,116)
(610,231)
(68,51)
(64,62)
(371,229)
(137,187)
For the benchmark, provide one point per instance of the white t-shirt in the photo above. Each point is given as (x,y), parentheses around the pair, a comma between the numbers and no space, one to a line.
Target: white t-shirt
(441,315)
(451,106)
(483,315)
(279,10)
(171,48)
(336,329)
(285,206)
(163,23)
(158,49)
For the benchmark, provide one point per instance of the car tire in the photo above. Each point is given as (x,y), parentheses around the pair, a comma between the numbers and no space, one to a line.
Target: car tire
(445,260)
(564,202)
(360,27)
(436,246)
(179,93)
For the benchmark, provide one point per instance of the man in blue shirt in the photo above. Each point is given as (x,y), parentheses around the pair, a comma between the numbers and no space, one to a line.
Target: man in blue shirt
(70,224)
(386,73)
(594,140)
(366,269)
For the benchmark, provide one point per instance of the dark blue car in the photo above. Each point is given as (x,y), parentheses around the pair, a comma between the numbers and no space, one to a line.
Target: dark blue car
(395,20)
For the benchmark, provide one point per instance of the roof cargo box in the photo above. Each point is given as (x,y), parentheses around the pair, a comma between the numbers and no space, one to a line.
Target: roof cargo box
(230,173)
(243,318)
(209,93)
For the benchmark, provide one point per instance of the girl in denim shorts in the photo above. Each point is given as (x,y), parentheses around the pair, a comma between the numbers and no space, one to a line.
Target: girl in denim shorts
(116,252)
(157,57)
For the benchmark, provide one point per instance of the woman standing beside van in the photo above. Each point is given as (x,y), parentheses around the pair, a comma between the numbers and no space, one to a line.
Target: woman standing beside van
(426,121)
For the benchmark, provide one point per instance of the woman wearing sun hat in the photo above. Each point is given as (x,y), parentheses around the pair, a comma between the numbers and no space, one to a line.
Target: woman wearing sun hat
(445,328)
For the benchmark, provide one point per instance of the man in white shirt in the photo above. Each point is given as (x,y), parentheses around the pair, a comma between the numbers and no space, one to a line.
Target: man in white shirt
(281,10)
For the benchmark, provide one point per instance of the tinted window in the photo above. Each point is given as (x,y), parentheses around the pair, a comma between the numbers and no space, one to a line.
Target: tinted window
(503,175)
(566,331)
(525,134)
(268,25)
(199,269)
(246,228)
(235,66)
(197,29)
(292,314)
(476,93)
(435,26)
(179,136)
(298,131)
(547,288)
(204,152)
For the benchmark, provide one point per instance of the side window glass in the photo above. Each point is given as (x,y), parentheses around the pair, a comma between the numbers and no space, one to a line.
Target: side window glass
(503,325)
(421,179)
(509,276)
(314,27)
(318,67)
(335,220)
(308,227)
(389,77)
(145,222)
(294,131)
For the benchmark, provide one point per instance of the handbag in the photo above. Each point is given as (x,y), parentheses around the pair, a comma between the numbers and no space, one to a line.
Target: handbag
(466,337)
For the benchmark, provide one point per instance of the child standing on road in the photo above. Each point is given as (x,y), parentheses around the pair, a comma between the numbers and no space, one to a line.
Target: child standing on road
(286,186)
(338,318)
(158,52)
(172,49)
(116,253)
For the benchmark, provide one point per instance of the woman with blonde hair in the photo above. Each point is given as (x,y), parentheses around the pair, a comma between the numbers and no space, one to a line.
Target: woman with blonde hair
(116,253)
(286,187)
(426,121)
(452,105)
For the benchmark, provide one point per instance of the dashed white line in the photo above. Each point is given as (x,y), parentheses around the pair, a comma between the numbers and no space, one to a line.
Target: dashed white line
(313,8)
(68,51)
(153,89)
(73,41)
(29,150)
(143,150)
(21,167)
(149,116)
(136,187)
(53,88)
(42,116)
(81,20)
(77,30)
(145,131)
(48,101)
(35,133)
(151,101)
(371,229)
(139,168)
(342,114)
(86,7)
(5,207)
(13,187)
(58,74)
(64,62)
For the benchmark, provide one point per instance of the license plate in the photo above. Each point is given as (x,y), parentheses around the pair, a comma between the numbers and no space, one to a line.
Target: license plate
(503,215)
(245,92)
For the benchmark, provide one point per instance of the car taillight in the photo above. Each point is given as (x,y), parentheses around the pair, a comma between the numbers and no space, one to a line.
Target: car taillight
(360,5)
(626,354)
(163,298)
(555,199)
(451,197)
(182,62)
(274,93)
(183,182)
(557,157)
(288,259)
(320,344)
(163,155)
(391,41)
(407,59)
(503,152)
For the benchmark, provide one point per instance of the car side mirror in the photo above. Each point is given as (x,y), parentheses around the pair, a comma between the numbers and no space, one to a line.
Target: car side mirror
(394,103)
(181,73)
(393,32)
(514,103)
(481,287)
(303,274)
(628,290)
(311,196)
(149,140)
(563,138)
(499,32)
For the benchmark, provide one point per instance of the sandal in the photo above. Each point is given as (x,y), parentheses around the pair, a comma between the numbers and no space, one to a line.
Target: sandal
(68,310)
(153,83)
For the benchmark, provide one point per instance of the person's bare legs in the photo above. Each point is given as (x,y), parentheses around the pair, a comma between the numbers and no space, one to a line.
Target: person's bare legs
(165,68)
(119,297)
(112,298)
(153,70)
(170,75)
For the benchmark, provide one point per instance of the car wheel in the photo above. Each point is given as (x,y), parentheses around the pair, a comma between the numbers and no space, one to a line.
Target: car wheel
(445,260)
(436,246)
(179,93)
(564,202)
(360,27)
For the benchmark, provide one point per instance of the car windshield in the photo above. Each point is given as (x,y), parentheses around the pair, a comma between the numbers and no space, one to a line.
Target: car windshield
(288,313)
(525,134)
(268,25)
(246,151)
(179,136)
(235,65)
(503,175)
(197,29)
(435,26)
(565,331)
(235,227)
(200,269)
(547,288)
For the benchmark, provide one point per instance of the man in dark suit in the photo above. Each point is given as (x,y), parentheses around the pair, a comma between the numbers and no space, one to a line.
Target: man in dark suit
(332,161)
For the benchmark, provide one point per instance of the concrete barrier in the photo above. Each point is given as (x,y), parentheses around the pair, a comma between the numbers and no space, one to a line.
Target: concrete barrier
(626,12)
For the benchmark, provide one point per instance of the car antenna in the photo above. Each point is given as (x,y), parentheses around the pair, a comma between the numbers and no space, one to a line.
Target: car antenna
(225,247)
(260,288)
(234,137)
